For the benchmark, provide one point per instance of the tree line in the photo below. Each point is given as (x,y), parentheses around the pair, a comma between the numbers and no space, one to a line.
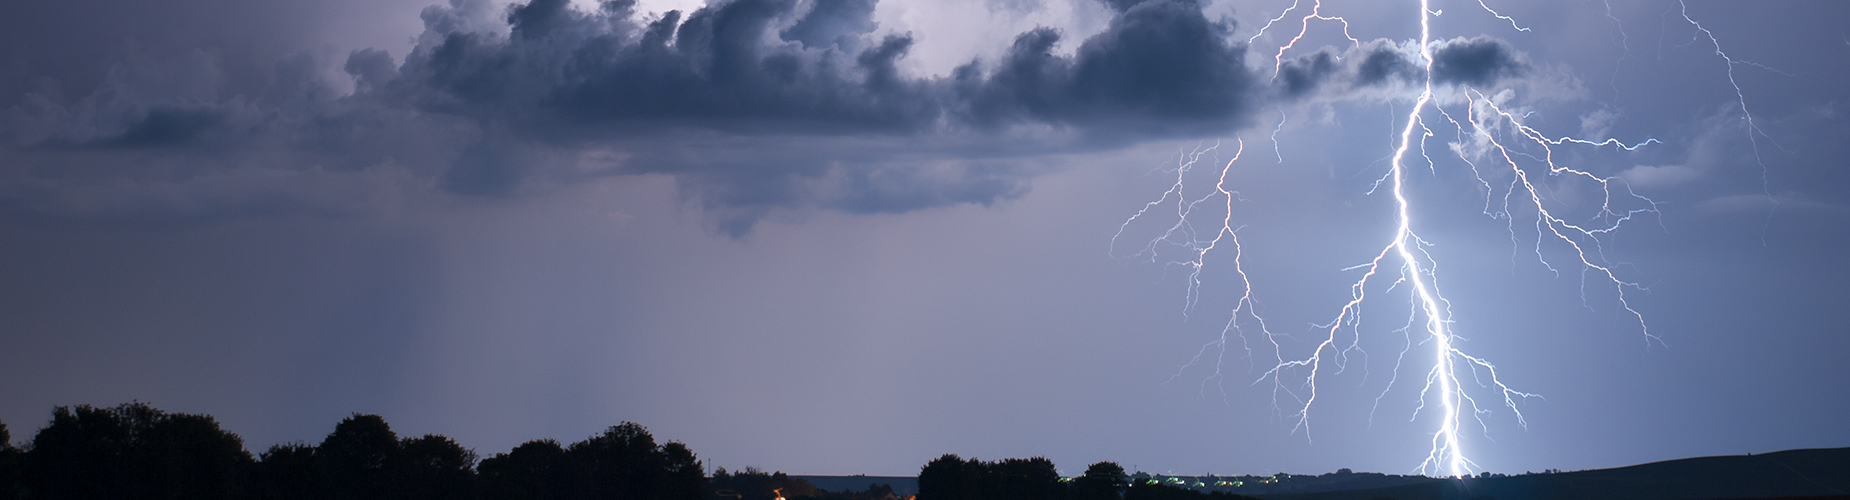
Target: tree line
(137,452)
(954,478)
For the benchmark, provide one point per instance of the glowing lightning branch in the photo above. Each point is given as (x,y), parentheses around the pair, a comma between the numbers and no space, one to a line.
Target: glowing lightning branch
(1512,21)
(1753,130)
(1184,235)
(1447,454)
(1416,269)
(1576,236)
(1316,8)
(1624,46)
(1496,144)
(1281,126)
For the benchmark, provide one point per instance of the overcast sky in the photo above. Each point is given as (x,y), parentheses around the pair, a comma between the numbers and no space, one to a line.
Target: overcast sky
(845,237)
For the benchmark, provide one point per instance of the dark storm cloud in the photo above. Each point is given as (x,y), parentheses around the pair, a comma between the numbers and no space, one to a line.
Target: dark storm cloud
(1381,62)
(164,125)
(1475,61)
(1303,74)
(1160,68)
(1159,61)
(1124,5)
(751,104)
(1478,62)
(561,69)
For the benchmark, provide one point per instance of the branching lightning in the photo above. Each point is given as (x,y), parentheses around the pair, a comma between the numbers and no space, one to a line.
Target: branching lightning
(1508,158)
(1316,12)
(1754,133)
(1184,235)
(1512,21)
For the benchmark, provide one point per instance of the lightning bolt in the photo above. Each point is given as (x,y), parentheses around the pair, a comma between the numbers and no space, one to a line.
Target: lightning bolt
(1183,235)
(1415,269)
(1511,20)
(1625,49)
(1753,131)
(1506,156)
(1316,12)
(1281,126)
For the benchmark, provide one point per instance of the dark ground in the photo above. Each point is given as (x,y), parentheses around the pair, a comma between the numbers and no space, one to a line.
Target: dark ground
(1815,473)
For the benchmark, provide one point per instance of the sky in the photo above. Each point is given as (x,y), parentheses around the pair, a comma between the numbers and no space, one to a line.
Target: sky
(849,236)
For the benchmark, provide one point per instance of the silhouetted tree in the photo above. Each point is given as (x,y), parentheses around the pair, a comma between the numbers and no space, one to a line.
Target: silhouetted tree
(1028,479)
(682,474)
(624,463)
(186,457)
(953,478)
(434,467)
(82,455)
(753,484)
(353,459)
(535,470)
(11,473)
(134,451)
(137,452)
(1102,481)
(287,472)
(950,477)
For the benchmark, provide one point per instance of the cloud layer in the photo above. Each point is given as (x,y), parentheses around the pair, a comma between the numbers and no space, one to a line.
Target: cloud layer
(753,105)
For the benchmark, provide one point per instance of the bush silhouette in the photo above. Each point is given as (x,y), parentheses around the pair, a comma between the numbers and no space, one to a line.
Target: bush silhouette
(134,451)
(753,484)
(1102,481)
(434,467)
(11,473)
(287,472)
(534,470)
(624,463)
(952,478)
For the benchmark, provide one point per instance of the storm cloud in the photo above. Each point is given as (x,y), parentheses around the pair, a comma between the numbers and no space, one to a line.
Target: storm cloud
(1161,68)
(1474,62)
(752,105)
